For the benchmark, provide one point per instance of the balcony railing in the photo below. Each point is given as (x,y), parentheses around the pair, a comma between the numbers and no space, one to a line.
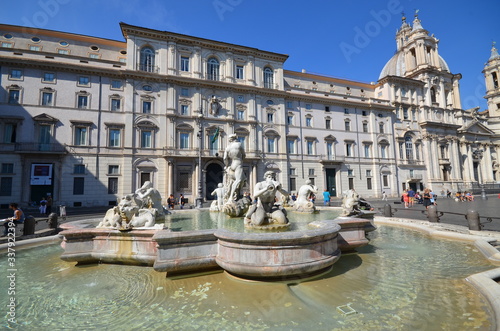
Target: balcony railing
(39,148)
(148,68)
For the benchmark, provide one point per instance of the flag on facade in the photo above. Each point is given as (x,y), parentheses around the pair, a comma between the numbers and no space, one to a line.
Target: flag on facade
(216,135)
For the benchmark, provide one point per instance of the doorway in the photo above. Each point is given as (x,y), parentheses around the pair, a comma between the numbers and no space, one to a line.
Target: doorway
(330,182)
(213,177)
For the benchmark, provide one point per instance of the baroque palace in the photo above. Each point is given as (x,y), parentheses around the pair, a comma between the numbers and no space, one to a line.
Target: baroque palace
(89,120)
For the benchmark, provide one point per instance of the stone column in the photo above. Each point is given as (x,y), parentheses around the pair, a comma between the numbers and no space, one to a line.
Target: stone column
(455,157)
(442,96)
(426,151)
(172,58)
(170,176)
(230,67)
(488,163)
(171,99)
(251,70)
(197,66)
(435,159)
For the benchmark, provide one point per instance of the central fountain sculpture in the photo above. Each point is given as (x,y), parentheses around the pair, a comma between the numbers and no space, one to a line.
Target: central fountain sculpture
(128,234)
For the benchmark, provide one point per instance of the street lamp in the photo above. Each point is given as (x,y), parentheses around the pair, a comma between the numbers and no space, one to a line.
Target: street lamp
(199,120)
(478,154)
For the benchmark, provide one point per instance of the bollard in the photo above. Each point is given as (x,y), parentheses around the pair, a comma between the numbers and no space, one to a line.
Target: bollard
(432,214)
(472,217)
(387,210)
(29,226)
(53,221)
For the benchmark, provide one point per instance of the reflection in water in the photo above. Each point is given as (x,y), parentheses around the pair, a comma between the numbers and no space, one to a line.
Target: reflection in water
(401,281)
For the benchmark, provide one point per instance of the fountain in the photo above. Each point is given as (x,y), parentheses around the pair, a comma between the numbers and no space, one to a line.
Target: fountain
(303,282)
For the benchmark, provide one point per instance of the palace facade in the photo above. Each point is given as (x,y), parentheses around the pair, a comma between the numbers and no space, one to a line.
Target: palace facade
(89,120)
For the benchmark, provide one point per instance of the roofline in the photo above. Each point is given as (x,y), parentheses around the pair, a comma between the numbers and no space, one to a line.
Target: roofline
(195,40)
(31,31)
(330,78)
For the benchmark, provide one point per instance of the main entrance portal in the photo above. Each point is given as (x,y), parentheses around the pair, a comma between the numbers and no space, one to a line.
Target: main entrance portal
(214,174)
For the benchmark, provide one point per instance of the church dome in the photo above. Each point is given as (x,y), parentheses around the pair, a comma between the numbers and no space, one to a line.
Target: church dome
(396,66)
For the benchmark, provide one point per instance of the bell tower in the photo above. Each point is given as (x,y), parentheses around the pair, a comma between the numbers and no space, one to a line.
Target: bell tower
(492,77)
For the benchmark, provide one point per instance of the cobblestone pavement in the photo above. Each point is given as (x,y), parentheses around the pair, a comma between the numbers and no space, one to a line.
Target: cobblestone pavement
(453,213)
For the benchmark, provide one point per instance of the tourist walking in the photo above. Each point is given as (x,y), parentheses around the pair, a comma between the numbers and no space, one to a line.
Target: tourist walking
(326,198)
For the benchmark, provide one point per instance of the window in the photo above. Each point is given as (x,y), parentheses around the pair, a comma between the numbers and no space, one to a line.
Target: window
(114,138)
(184,92)
(117,84)
(363,113)
(147,60)
(329,150)
(293,172)
(289,120)
(412,173)
(184,140)
(409,148)
(369,183)
(79,169)
(327,109)
(367,148)
(63,51)
(47,98)
(35,48)
(213,69)
(350,172)
(327,123)
(271,142)
(368,173)
(115,104)
(405,113)
(146,107)
(309,121)
(14,96)
(9,133)
(184,184)
(83,101)
(349,151)
(433,95)
(308,106)
(270,117)
(78,185)
(346,111)
(81,136)
(239,72)
(347,125)
(383,151)
(310,147)
(7,168)
(49,77)
(83,81)
(268,78)
(381,128)
(184,63)
(365,127)
(241,98)
(241,115)
(310,171)
(289,104)
(5,186)
(293,184)
(16,74)
(146,139)
(113,169)
(291,146)
(184,109)
(385,180)
(112,185)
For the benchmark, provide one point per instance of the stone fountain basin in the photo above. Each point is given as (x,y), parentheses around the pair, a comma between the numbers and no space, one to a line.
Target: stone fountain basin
(284,254)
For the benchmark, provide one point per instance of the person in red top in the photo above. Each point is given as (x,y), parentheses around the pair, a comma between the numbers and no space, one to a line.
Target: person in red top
(406,198)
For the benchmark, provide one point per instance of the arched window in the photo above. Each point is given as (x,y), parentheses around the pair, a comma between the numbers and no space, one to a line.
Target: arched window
(495,80)
(409,148)
(147,59)
(268,77)
(213,69)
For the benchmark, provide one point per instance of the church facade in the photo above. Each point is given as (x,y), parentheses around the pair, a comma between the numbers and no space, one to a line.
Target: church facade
(88,120)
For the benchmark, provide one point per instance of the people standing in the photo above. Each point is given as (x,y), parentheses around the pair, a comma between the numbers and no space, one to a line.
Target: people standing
(427,198)
(326,198)
(405,198)
(11,222)
(411,197)
(171,201)
(43,206)
(182,201)
(49,204)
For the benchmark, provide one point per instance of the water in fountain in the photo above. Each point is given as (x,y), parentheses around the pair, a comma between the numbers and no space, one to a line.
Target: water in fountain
(402,280)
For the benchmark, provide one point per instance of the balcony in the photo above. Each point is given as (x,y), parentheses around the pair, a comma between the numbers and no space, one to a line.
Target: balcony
(414,178)
(148,68)
(331,159)
(411,162)
(40,148)
(444,161)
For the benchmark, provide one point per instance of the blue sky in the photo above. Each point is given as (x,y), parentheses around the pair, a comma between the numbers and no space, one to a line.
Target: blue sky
(346,39)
